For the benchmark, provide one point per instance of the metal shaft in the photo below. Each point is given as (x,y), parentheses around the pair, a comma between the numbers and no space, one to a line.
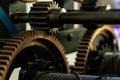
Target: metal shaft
(74,17)
(90,17)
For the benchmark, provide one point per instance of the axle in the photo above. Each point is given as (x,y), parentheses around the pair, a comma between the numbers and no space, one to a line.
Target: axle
(39,17)
(90,17)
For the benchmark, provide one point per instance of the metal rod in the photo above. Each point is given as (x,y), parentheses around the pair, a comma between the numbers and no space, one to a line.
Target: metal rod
(90,17)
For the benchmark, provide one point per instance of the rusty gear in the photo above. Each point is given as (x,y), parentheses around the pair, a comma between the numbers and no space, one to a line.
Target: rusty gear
(86,46)
(18,43)
(39,12)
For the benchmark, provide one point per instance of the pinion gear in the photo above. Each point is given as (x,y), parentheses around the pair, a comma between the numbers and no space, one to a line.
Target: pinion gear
(39,12)
(22,47)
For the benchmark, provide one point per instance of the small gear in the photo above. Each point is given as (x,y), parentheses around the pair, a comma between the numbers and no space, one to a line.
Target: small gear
(88,44)
(91,5)
(38,14)
(25,48)
(88,5)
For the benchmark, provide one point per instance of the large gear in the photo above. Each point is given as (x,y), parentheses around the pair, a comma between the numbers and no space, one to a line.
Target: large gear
(88,45)
(19,51)
(39,12)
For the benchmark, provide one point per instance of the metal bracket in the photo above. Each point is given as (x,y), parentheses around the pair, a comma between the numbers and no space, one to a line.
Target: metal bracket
(7,22)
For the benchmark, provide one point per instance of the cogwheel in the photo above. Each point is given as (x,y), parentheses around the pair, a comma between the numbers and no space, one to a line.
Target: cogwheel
(39,12)
(18,52)
(87,5)
(88,44)
(91,5)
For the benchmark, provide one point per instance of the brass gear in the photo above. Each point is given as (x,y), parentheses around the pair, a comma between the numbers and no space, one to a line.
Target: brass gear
(86,47)
(24,40)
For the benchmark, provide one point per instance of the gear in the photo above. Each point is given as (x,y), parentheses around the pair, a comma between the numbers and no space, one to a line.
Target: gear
(91,5)
(87,5)
(32,46)
(88,45)
(39,12)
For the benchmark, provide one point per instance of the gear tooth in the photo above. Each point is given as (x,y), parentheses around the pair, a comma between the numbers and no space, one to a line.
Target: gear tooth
(12,44)
(4,57)
(3,62)
(80,59)
(19,41)
(9,48)
(2,67)
(82,55)
(17,37)
(82,47)
(6,52)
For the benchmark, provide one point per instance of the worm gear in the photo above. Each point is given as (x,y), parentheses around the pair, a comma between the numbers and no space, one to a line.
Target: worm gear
(29,49)
(90,43)
(39,12)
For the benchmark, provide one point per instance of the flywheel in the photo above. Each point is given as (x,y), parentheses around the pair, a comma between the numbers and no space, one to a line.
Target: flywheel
(32,51)
(94,43)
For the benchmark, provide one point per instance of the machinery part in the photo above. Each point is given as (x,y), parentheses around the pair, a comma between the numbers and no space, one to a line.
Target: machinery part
(28,1)
(46,15)
(88,5)
(38,14)
(109,64)
(17,6)
(32,47)
(88,45)
(7,22)
(55,18)
(68,37)
(60,76)
(91,5)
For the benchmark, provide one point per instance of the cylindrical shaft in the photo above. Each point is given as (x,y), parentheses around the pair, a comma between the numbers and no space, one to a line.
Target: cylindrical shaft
(63,76)
(90,17)
(20,18)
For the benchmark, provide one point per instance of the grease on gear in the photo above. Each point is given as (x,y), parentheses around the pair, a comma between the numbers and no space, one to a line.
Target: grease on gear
(26,39)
